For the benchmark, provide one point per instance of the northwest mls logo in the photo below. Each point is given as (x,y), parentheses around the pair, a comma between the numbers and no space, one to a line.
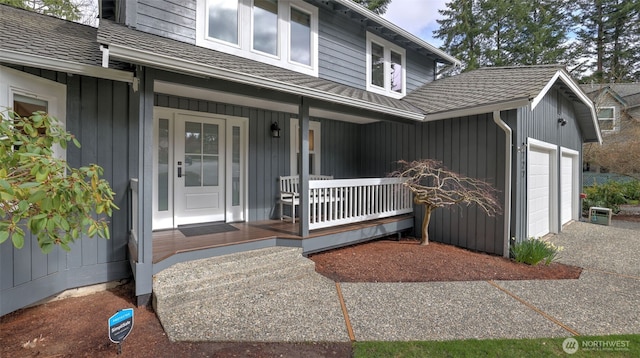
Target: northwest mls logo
(570,345)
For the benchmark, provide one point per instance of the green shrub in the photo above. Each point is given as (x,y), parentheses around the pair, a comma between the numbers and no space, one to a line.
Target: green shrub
(632,190)
(534,251)
(609,195)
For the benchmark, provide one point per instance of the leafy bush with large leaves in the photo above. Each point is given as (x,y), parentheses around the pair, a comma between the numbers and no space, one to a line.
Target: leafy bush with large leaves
(41,193)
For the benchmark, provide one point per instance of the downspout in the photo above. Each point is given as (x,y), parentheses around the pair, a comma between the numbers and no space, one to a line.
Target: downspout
(507,180)
(105,56)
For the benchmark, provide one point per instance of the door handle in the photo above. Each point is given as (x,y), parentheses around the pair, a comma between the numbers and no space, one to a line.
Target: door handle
(179,169)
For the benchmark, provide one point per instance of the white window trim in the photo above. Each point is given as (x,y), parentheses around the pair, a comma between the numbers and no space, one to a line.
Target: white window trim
(14,82)
(317,149)
(244,48)
(388,47)
(614,125)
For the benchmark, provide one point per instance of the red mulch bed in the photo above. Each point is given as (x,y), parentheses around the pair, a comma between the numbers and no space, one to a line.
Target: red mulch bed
(408,261)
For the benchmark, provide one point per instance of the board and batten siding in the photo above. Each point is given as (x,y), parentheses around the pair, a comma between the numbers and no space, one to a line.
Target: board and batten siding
(98,115)
(269,158)
(541,124)
(473,146)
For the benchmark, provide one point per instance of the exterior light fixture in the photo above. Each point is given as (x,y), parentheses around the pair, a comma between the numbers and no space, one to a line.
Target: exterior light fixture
(275,130)
(562,122)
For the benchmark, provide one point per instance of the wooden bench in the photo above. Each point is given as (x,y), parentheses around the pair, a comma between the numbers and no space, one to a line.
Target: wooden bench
(290,193)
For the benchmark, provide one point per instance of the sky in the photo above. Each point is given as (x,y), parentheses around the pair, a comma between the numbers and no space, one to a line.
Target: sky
(416,16)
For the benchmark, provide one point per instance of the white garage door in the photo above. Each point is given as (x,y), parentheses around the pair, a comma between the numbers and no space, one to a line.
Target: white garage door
(539,192)
(568,191)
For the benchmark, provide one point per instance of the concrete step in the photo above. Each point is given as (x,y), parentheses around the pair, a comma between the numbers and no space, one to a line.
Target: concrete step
(192,274)
(219,280)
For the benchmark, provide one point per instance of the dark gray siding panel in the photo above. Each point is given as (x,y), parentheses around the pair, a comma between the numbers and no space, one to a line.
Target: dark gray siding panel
(340,148)
(473,146)
(541,124)
(97,113)
(341,50)
(172,19)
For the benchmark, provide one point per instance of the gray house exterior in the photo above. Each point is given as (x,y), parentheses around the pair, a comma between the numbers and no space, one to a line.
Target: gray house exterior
(149,69)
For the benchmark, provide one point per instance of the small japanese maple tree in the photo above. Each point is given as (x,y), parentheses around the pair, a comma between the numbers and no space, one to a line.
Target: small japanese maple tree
(435,186)
(41,193)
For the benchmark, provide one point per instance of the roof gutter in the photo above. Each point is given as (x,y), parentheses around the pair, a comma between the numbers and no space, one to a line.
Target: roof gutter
(507,181)
(183,66)
(352,5)
(470,111)
(21,58)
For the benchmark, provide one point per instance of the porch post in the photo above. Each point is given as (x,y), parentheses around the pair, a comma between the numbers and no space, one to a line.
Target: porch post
(303,164)
(144,265)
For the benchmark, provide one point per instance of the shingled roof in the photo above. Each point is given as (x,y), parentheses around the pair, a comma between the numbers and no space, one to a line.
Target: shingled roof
(502,88)
(490,86)
(148,49)
(37,40)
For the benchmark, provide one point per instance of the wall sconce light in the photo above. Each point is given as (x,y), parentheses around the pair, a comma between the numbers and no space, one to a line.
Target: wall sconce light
(275,130)
(562,122)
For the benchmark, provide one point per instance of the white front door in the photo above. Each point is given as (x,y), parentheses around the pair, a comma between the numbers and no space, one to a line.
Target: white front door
(199,168)
(200,165)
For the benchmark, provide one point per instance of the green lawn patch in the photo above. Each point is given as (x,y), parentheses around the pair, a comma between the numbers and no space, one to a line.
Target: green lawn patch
(588,346)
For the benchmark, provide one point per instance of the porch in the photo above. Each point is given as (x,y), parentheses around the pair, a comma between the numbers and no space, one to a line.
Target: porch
(339,212)
(172,246)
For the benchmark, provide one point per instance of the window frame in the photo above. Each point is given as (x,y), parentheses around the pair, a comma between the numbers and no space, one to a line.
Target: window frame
(387,48)
(245,49)
(14,82)
(316,127)
(613,120)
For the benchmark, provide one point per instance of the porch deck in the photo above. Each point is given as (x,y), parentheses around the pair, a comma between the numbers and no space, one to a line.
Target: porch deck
(171,246)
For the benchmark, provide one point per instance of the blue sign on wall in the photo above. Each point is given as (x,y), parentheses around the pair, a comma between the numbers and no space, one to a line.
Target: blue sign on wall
(120,325)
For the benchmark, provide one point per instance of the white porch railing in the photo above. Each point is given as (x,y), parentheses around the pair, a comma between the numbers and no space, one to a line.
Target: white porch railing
(133,185)
(345,201)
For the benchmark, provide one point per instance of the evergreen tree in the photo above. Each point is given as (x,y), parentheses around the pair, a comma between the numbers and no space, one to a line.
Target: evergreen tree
(377,6)
(461,31)
(506,32)
(609,34)
(64,9)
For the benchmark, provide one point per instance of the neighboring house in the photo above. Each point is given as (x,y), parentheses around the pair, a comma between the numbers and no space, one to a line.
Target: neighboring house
(616,104)
(617,107)
(349,93)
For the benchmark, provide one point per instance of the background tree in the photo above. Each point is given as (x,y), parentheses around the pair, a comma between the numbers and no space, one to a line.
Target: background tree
(619,152)
(461,31)
(506,32)
(64,9)
(609,39)
(377,6)
(435,186)
(39,191)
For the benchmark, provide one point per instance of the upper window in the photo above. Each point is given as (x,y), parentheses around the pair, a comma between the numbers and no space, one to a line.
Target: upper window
(282,33)
(606,117)
(386,67)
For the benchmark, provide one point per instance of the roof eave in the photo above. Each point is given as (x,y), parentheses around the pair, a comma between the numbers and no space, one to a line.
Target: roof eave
(573,86)
(171,63)
(352,5)
(25,59)
(470,111)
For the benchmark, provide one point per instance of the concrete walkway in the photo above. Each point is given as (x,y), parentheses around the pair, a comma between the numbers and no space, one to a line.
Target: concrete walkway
(299,305)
